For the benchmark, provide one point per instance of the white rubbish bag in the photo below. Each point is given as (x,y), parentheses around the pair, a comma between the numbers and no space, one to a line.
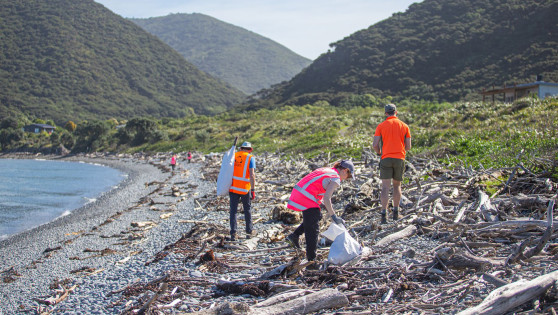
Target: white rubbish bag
(224,180)
(333,231)
(344,249)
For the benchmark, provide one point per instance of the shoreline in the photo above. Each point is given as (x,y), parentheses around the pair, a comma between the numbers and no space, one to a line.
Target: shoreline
(124,175)
(130,174)
(47,253)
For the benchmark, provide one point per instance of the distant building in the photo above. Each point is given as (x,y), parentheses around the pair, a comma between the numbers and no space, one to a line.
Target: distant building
(38,128)
(511,93)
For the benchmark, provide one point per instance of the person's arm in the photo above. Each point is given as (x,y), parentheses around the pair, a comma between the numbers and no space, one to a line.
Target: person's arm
(330,188)
(252,179)
(376,144)
(407,144)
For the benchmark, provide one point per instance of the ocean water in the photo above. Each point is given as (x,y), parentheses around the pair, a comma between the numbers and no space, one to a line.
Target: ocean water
(34,192)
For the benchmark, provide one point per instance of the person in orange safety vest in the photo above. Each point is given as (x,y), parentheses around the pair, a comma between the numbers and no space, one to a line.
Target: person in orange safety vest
(242,188)
(307,196)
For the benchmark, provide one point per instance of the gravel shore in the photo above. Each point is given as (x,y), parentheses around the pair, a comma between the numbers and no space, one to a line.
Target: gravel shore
(101,239)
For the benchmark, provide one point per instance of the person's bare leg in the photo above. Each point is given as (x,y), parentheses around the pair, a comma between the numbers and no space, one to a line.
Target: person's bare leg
(384,198)
(396,198)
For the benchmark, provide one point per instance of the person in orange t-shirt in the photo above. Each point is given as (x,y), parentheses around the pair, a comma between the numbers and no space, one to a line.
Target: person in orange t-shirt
(392,140)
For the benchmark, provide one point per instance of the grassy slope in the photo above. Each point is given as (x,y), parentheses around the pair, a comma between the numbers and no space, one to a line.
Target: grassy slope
(466,133)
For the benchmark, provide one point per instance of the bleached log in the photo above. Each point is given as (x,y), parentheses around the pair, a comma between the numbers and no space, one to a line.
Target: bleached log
(406,232)
(485,207)
(513,295)
(324,299)
(286,296)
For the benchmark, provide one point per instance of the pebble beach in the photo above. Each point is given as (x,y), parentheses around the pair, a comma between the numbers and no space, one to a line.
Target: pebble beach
(99,237)
(156,245)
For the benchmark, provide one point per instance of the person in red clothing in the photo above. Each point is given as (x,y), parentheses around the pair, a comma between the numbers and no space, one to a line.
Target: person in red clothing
(392,140)
(308,194)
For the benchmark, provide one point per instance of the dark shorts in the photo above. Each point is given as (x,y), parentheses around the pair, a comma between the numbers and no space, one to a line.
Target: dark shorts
(392,168)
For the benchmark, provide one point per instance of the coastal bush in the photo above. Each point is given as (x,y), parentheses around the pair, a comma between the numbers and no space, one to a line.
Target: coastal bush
(9,123)
(70,126)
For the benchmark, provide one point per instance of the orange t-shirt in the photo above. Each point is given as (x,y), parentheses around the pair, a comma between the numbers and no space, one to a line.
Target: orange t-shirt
(393,132)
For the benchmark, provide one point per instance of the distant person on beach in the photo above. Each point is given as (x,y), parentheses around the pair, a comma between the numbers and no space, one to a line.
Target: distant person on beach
(189,156)
(242,188)
(173,162)
(392,140)
(307,196)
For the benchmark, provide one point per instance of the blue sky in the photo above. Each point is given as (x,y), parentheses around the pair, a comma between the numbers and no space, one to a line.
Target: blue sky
(306,27)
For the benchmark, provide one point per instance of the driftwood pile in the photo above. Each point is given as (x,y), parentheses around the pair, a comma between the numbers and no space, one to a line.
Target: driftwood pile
(455,248)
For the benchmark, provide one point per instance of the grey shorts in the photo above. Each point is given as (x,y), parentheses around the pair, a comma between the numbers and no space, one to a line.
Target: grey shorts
(392,168)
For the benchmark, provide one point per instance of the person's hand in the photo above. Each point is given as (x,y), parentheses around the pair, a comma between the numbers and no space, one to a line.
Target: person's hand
(337,220)
(253,194)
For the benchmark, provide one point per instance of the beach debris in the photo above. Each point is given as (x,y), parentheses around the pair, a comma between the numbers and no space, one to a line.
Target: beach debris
(60,294)
(460,243)
(9,275)
(143,225)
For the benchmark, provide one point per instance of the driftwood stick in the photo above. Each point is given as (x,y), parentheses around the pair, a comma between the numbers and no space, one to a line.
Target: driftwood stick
(161,290)
(513,295)
(485,206)
(547,234)
(461,211)
(406,232)
(494,280)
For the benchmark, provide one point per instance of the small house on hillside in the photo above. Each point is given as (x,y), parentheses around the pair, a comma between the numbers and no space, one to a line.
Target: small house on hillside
(511,93)
(38,128)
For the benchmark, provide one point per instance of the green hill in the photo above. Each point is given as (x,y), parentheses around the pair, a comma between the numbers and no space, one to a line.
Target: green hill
(245,60)
(75,59)
(436,50)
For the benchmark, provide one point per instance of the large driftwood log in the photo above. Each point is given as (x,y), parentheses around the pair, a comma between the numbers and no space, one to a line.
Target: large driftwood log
(324,299)
(406,232)
(513,295)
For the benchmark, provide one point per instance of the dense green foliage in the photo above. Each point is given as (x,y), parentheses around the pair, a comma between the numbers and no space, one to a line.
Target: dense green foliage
(436,50)
(243,59)
(75,59)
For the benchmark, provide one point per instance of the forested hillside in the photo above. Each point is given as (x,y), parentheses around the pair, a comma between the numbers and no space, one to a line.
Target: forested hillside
(75,59)
(436,50)
(244,59)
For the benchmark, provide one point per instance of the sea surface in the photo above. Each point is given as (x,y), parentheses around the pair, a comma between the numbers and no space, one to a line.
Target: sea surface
(34,192)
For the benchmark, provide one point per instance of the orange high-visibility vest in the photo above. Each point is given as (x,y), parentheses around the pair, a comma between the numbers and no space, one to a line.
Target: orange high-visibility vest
(241,174)
(309,191)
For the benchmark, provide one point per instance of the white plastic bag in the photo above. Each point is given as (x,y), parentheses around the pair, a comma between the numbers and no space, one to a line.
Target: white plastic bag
(224,180)
(333,231)
(343,249)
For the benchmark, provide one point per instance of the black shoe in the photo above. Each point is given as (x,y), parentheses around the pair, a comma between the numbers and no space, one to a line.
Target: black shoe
(395,214)
(249,235)
(313,266)
(293,241)
(231,238)
(384,219)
